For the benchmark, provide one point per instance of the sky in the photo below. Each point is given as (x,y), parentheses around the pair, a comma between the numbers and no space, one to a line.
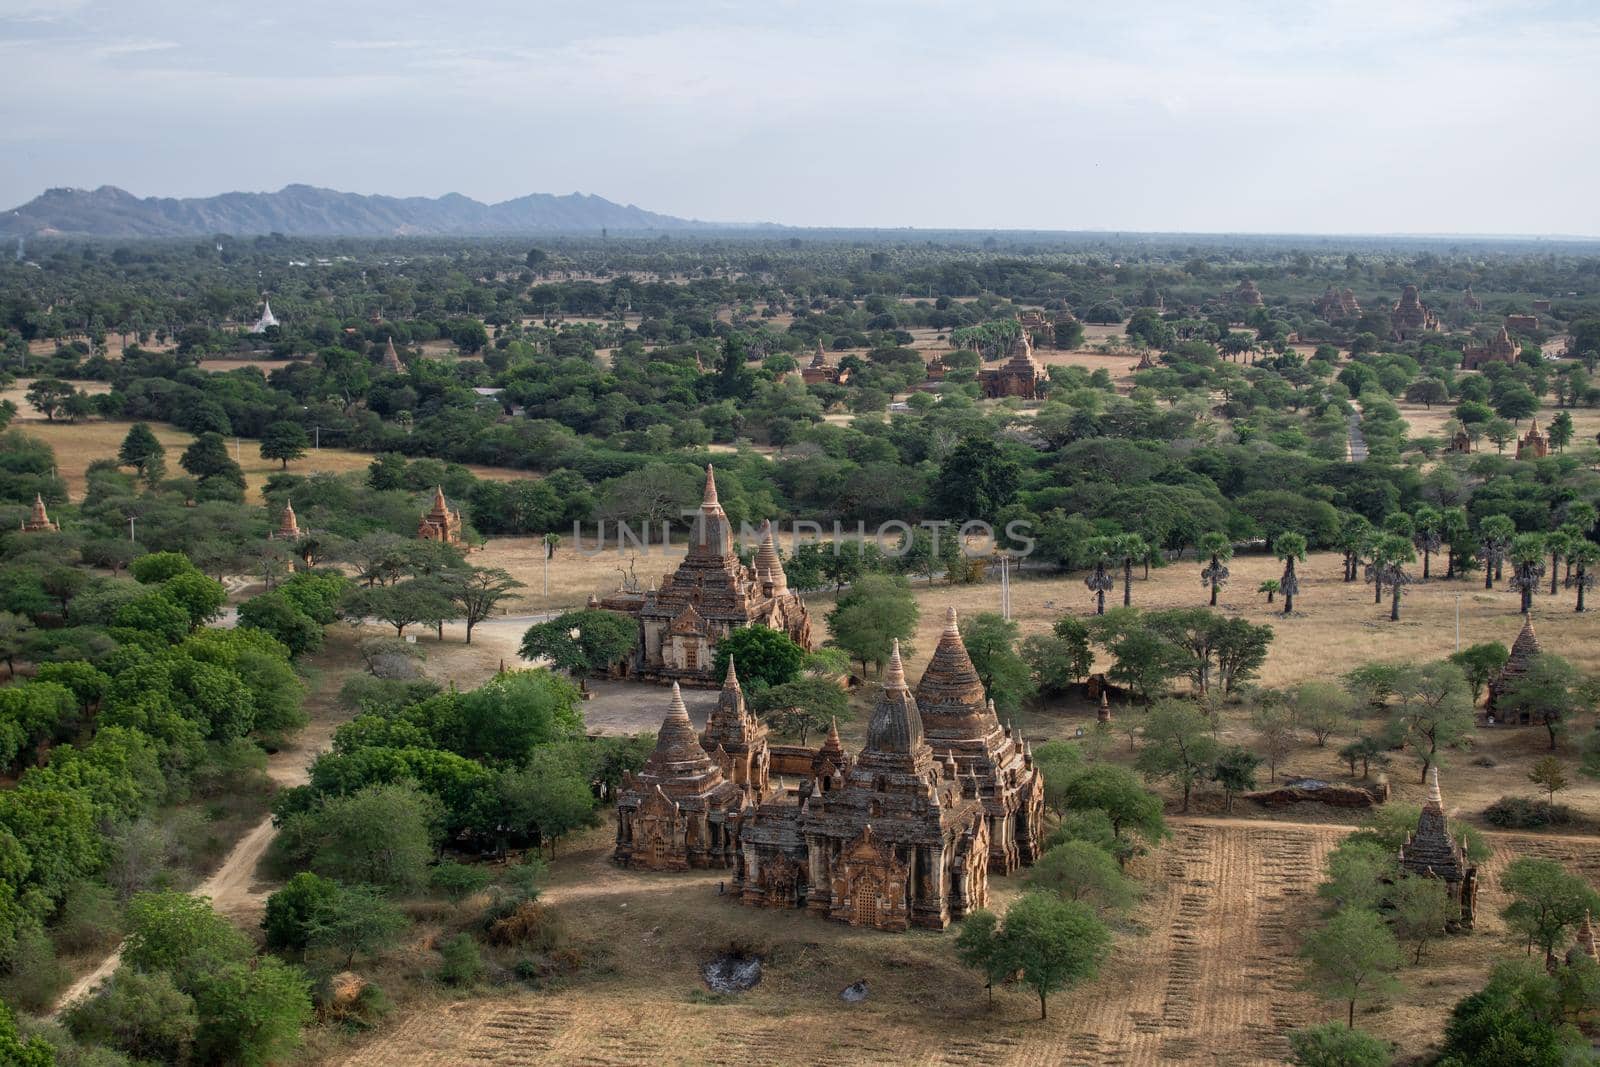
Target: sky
(1264,116)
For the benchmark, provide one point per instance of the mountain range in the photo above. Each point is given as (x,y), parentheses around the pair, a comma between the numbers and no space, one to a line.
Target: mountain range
(305,210)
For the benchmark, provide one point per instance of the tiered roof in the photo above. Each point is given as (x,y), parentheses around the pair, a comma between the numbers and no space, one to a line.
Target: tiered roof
(730,725)
(391,358)
(288,525)
(680,768)
(1523,650)
(38,520)
(1430,850)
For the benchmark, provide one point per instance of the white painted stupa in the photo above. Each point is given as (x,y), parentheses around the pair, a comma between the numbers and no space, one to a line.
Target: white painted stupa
(267,317)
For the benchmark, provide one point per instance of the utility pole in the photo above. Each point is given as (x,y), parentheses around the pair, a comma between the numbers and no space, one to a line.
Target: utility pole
(130,529)
(1458,622)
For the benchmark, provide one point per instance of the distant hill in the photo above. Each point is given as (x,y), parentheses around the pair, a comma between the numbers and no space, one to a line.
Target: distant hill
(304,210)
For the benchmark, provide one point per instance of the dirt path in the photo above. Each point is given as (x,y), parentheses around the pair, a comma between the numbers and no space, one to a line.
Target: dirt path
(1356,447)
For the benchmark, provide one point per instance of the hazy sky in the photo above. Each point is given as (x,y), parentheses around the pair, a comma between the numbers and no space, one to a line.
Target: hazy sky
(1466,116)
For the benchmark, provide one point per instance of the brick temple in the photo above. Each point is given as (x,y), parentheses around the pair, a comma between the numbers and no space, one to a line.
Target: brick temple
(1431,852)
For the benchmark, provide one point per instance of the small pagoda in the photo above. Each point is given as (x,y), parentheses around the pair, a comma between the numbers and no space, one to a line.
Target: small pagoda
(1409,317)
(1585,944)
(736,739)
(1523,651)
(1020,376)
(673,814)
(288,526)
(267,319)
(1431,852)
(391,359)
(38,520)
(442,523)
(1247,295)
(1534,444)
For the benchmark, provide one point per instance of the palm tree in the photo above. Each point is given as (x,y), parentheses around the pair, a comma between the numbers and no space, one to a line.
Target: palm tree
(1527,561)
(1427,533)
(1269,587)
(1101,550)
(1584,556)
(1130,549)
(1456,530)
(1355,537)
(1219,549)
(1496,533)
(1389,561)
(1289,547)
(1558,545)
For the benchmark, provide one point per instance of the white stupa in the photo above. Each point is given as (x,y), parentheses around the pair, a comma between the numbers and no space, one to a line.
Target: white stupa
(267,317)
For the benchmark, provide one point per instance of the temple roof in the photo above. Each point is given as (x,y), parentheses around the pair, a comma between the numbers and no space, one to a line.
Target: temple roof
(1430,850)
(391,358)
(950,696)
(712,537)
(769,568)
(730,723)
(896,724)
(679,763)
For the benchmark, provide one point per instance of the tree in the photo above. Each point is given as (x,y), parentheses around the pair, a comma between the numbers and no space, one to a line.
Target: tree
(1332,1045)
(201,598)
(207,459)
(991,643)
(284,440)
(141,1013)
(1130,810)
(1527,561)
(400,605)
(802,707)
(1355,538)
(1056,661)
(382,835)
(1516,402)
(356,919)
(512,714)
(1420,911)
(977,947)
(1217,548)
(581,642)
(1274,725)
(50,397)
(17,1052)
(1549,775)
(1501,432)
(274,614)
(251,1013)
(1352,957)
(1360,872)
(1515,1021)
(1235,771)
(1390,556)
(1551,692)
(1547,902)
(142,451)
(290,910)
(1053,943)
(1178,746)
(1434,712)
(1270,587)
(1129,549)
(1321,707)
(177,933)
(1495,534)
(1078,870)
(1427,533)
(1560,430)
(1558,543)
(1100,551)
(1289,547)
(877,611)
(761,655)
(546,800)
(976,480)
(1480,663)
(1584,555)
(477,591)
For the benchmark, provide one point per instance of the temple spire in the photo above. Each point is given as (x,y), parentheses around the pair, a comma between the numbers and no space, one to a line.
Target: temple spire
(709,500)
(677,709)
(1435,798)
(731,680)
(952,625)
(896,676)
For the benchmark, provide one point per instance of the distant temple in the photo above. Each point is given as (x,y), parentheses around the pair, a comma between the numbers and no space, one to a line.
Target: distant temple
(442,523)
(1584,944)
(1522,323)
(38,520)
(1019,376)
(1461,442)
(1500,349)
(1470,301)
(1523,651)
(1534,444)
(267,317)
(820,371)
(1409,318)
(391,359)
(288,526)
(710,595)
(1335,304)
(1430,852)
(1247,295)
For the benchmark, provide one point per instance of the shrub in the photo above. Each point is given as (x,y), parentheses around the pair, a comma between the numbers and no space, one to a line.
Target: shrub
(529,925)
(33,977)
(1525,813)
(461,964)
(141,1013)
(90,918)
(457,881)
(292,909)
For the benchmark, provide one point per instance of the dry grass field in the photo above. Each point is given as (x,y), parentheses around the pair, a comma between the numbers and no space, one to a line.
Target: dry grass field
(1204,973)
(79,444)
(1430,422)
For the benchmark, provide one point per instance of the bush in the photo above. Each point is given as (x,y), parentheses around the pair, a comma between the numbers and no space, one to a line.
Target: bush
(141,1013)
(291,910)
(462,963)
(90,918)
(457,881)
(529,925)
(33,977)
(1525,813)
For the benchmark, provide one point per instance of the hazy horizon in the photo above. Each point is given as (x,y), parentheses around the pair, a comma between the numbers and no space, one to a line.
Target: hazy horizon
(1457,118)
